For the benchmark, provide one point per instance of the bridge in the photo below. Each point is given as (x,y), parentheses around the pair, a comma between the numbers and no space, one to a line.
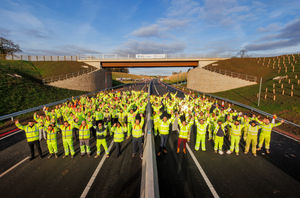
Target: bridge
(145,62)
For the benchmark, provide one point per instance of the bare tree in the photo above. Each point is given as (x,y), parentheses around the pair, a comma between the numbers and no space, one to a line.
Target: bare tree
(243,53)
(8,47)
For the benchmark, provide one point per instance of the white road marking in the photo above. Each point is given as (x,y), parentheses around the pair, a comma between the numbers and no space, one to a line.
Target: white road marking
(10,134)
(209,184)
(13,167)
(90,183)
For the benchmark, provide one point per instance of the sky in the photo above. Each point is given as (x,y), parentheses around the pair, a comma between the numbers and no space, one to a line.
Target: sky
(207,28)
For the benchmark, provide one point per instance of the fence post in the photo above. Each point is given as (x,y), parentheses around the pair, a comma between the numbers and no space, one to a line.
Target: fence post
(259,91)
(44,58)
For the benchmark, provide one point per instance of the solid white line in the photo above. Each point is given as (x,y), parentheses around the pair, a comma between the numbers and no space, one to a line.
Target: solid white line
(10,134)
(89,185)
(209,184)
(13,167)
(286,136)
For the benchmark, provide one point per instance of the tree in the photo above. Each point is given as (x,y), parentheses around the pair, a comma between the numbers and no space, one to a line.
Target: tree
(8,47)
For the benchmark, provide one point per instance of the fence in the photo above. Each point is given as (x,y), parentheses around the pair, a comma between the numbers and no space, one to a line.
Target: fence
(40,58)
(66,76)
(232,74)
(238,104)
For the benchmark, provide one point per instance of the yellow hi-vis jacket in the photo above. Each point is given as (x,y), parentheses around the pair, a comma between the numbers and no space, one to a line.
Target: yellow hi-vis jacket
(118,134)
(184,130)
(32,133)
(164,126)
(201,128)
(137,129)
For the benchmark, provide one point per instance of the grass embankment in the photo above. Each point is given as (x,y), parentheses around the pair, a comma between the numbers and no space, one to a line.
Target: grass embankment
(284,105)
(176,78)
(19,93)
(44,69)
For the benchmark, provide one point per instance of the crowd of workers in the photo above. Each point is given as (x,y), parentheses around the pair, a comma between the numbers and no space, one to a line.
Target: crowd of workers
(120,114)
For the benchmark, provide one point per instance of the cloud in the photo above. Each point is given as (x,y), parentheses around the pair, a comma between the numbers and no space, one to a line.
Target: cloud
(153,30)
(68,50)
(159,29)
(36,33)
(269,28)
(287,37)
(133,47)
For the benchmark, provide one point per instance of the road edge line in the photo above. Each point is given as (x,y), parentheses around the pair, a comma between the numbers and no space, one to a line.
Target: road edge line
(92,179)
(14,166)
(207,181)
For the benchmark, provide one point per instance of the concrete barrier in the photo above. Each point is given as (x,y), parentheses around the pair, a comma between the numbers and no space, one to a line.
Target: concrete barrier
(95,80)
(211,82)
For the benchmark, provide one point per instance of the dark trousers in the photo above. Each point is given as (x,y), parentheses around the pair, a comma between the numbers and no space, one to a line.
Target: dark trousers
(163,142)
(118,147)
(38,146)
(137,145)
(76,133)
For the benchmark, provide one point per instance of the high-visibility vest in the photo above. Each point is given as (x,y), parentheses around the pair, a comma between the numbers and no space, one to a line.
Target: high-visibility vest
(118,134)
(236,130)
(184,131)
(266,129)
(137,130)
(67,132)
(130,117)
(99,115)
(201,128)
(32,133)
(164,128)
(84,132)
(51,135)
(253,130)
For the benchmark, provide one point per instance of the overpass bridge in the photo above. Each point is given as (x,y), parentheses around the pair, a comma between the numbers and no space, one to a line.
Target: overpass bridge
(146,62)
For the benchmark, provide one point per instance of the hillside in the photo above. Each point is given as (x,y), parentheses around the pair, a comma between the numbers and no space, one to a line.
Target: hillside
(43,69)
(21,87)
(281,97)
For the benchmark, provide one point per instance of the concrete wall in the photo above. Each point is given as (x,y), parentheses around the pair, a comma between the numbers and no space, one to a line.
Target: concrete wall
(210,82)
(92,81)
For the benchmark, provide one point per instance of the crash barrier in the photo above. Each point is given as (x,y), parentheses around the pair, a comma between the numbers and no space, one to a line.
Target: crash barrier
(15,114)
(149,181)
(238,104)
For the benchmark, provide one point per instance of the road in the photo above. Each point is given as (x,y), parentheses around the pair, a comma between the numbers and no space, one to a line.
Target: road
(274,175)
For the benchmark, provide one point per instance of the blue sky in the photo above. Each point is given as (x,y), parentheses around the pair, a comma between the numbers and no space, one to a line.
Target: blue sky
(209,28)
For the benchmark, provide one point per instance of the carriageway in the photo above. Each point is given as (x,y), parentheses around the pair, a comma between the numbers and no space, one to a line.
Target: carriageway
(196,174)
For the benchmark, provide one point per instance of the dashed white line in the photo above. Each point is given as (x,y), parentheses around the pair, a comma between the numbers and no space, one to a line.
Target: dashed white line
(209,184)
(13,167)
(90,183)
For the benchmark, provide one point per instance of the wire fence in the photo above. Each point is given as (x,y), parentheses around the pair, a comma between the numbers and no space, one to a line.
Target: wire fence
(231,74)
(67,76)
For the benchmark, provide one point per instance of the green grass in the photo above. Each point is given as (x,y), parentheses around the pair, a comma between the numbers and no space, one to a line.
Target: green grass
(284,106)
(21,93)
(43,69)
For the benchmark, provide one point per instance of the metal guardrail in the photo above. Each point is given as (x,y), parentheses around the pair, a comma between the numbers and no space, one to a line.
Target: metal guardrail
(67,76)
(231,74)
(240,105)
(149,181)
(12,115)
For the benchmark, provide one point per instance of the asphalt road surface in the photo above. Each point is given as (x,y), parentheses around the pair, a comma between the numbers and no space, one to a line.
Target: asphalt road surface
(273,175)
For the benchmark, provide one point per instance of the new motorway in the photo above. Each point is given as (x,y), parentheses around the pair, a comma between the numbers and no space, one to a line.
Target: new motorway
(195,174)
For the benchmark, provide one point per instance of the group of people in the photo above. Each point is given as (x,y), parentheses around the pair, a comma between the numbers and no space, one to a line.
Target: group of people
(120,114)
(204,117)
